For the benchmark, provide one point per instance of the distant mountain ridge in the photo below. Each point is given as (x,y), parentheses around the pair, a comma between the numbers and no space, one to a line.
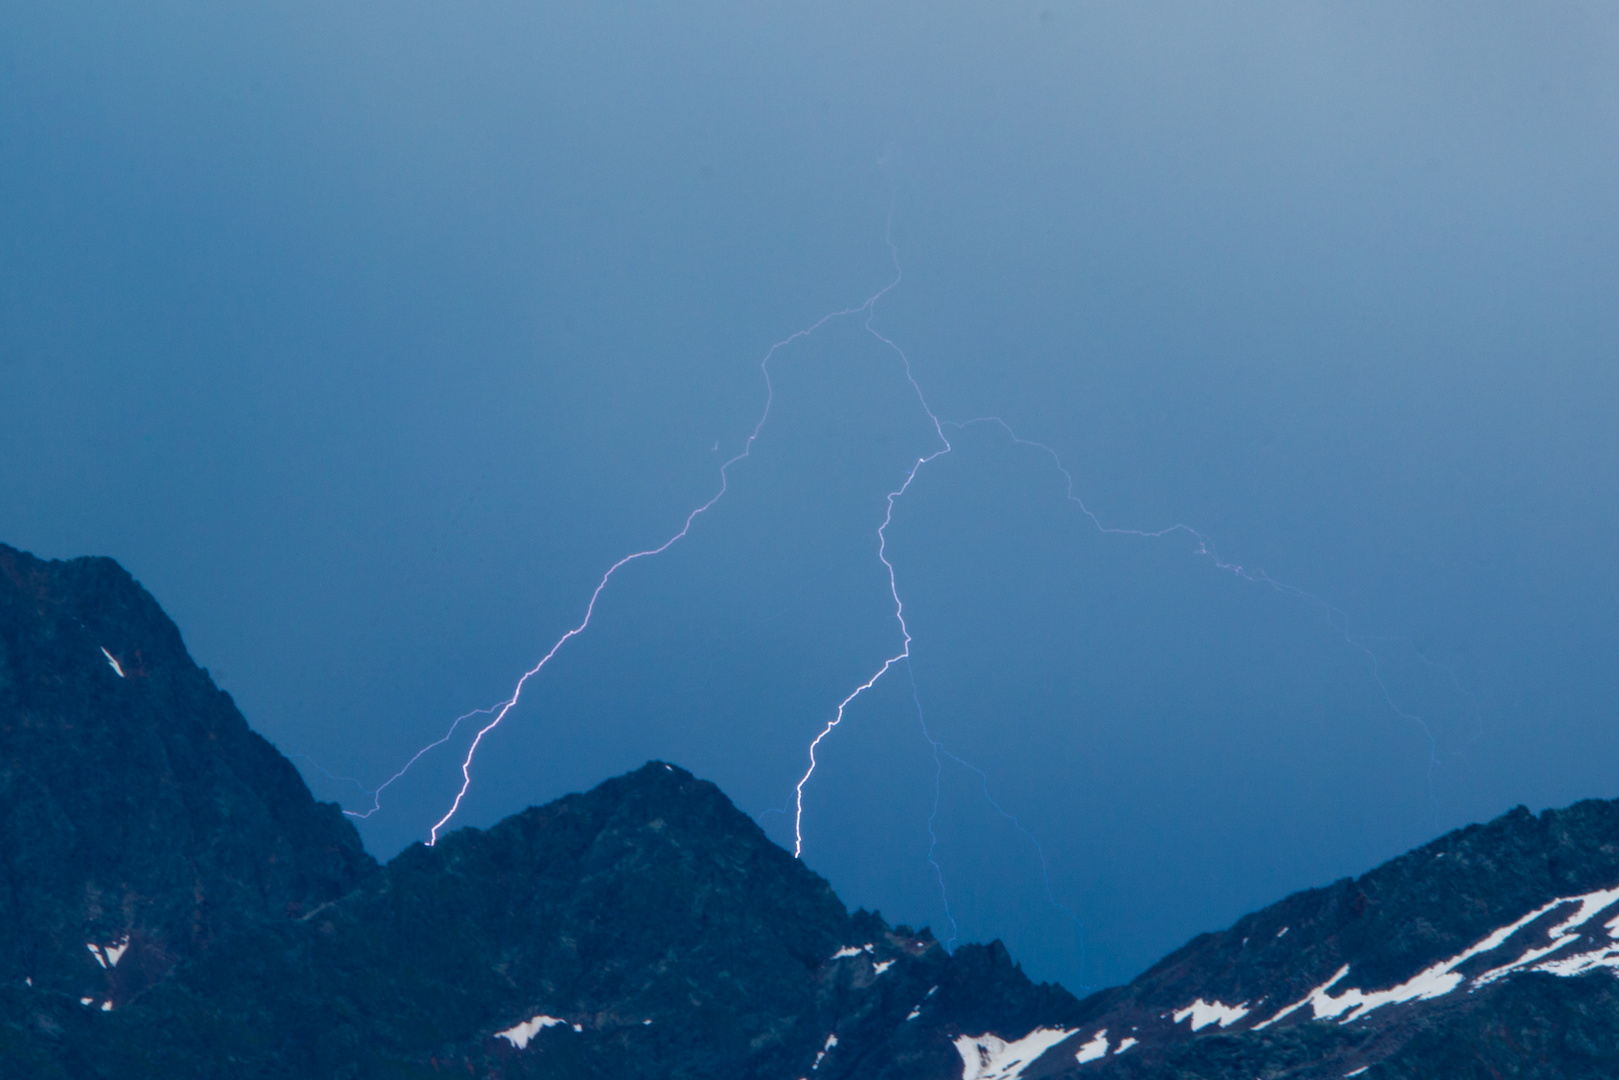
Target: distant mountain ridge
(175,904)
(1413,969)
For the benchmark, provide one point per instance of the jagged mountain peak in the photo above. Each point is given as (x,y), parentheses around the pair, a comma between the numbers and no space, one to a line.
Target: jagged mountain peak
(144,818)
(178,905)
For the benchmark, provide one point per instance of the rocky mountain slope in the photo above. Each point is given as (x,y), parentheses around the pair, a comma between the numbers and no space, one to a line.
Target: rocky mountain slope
(1489,952)
(174,903)
(142,819)
(178,905)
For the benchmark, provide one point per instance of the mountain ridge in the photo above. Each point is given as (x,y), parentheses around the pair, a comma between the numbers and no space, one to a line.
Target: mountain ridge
(192,819)
(177,905)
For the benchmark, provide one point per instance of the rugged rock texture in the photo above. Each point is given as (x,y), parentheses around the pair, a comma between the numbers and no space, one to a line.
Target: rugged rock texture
(656,922)
(651,918)
(1449,946)
(138,813)
(173,903)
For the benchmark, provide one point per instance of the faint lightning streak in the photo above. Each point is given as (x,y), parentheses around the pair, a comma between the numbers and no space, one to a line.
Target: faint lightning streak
(506,706)
(337,779)
(376,794)
(1039,849)
(940,751)
(1337,618)
(938,790)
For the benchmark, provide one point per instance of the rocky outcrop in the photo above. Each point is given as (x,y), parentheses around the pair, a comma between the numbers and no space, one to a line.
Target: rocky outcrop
(1497,942)
(175,904)
(141,819)
(645,928)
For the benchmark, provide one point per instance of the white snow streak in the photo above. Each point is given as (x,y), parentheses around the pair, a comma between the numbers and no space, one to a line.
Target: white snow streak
(520,1035)
(989,1057)
(1090,1051)
(1441,978)
(1562,935)
(1204,1013)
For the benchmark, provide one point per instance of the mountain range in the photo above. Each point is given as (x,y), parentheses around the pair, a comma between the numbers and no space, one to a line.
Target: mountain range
(175,903)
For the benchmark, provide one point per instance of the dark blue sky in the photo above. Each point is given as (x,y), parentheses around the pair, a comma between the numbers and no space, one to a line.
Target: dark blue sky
(368,335)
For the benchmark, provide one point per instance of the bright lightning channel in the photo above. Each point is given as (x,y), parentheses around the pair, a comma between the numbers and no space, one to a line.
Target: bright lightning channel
(882,554)
(1336,617)
(499,711)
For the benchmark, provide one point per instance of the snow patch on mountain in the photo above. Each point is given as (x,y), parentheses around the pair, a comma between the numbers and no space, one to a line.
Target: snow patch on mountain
(1442,978)
(989,1057)
(1562,935)
(1095,1048)
(109,955)
(1203,1013)
(520,1035)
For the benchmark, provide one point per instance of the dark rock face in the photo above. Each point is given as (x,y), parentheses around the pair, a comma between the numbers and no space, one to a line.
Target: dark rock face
(651,927)
(1425,958)
(654,923)
(174,904)
(139,814)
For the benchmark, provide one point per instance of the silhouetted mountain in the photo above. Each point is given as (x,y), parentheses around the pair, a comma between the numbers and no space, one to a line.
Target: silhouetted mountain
(1489,952)
(141,816)
(175,904)
(646,928)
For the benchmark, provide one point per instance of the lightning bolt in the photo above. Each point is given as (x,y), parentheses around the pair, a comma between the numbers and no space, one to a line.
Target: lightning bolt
(506,706)
(499,711)
(904,654)
(882,554)
(1204,548)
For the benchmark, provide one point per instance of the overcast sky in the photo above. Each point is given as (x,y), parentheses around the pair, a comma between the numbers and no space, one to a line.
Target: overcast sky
(368,335)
